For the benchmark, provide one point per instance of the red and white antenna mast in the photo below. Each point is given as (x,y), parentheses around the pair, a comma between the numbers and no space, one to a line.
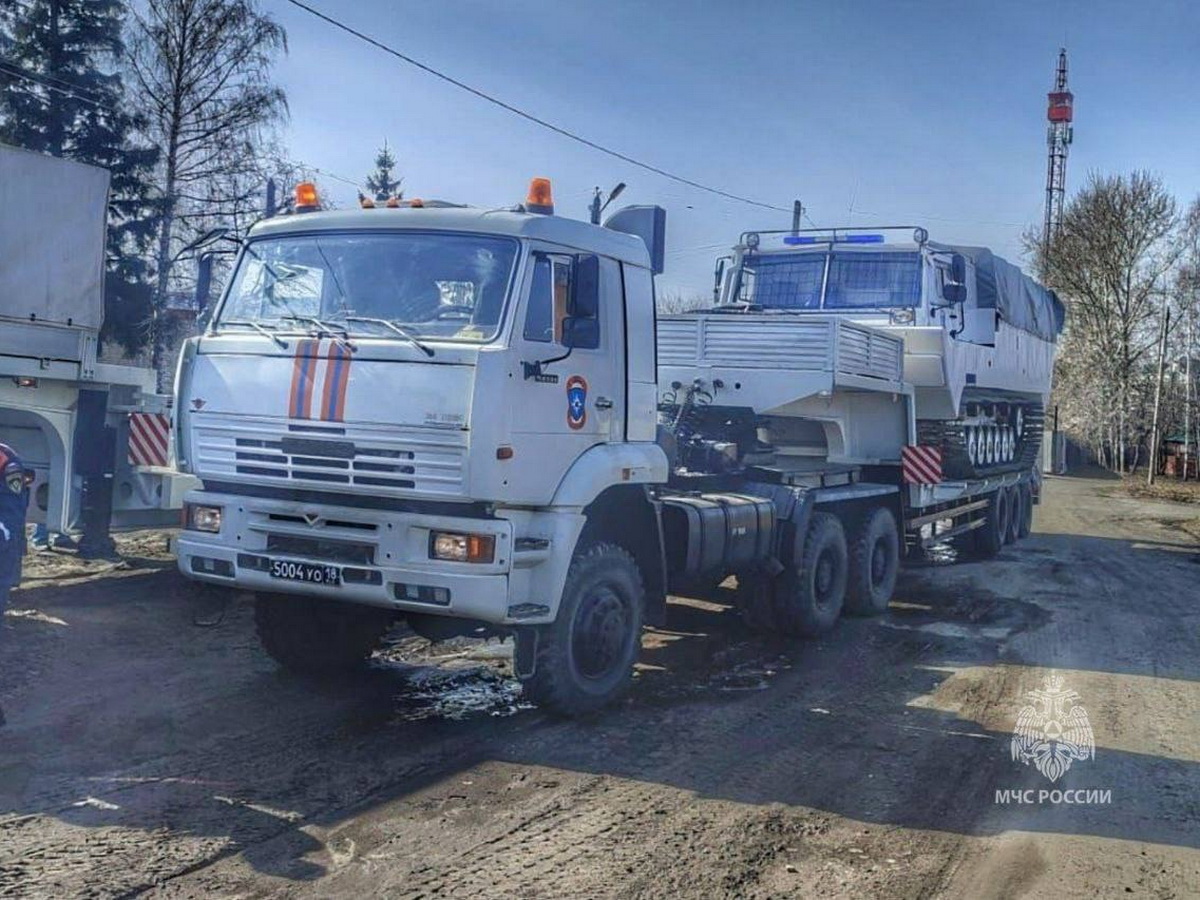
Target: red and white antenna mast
(1059,134)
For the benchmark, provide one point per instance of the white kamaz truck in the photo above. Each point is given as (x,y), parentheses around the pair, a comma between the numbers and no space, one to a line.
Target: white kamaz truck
(456,416)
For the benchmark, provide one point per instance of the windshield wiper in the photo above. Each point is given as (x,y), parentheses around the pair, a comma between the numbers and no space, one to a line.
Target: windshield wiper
(337,332)
(260,329)
(403,332)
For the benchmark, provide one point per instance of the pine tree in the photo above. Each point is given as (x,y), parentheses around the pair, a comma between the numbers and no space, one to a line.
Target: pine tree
(61,93)
(380,182)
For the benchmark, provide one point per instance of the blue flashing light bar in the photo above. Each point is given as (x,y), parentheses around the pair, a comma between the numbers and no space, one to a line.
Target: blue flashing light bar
(795,239)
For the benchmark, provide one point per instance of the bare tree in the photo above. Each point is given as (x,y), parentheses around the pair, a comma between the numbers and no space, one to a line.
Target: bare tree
(1112,263)
(203,67)
(671,302)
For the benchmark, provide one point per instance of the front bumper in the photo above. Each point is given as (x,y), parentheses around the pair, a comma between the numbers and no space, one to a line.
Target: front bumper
(383,554)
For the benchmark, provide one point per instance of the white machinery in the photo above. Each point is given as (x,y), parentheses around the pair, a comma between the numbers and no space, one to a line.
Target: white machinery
(52,239)
(453,415)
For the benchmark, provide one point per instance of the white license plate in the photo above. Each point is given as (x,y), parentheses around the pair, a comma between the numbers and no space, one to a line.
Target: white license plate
(306,572)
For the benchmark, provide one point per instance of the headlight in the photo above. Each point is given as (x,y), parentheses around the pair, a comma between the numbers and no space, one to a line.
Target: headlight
(902,316)
(203,518)
(472,548)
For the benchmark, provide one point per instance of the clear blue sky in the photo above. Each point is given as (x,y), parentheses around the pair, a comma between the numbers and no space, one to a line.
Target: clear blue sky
(871,112)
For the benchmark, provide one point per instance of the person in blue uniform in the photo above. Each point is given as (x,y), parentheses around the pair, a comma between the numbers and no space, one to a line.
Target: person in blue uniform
(14,500)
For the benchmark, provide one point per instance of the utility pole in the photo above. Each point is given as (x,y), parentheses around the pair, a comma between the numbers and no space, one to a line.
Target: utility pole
(597,207)
(797,213)
(1162,359)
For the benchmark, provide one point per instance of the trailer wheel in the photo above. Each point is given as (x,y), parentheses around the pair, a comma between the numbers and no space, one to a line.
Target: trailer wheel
(585,658)
(1026,522)
(809,596)
(1016,514)
(874,564)
(310,636)
(989,537)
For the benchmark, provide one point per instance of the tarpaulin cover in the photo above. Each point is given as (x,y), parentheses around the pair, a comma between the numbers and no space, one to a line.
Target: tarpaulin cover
(52,222)
(1020,301)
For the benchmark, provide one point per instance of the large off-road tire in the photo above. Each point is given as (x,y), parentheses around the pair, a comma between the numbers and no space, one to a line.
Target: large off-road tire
(312,636)
(585,658)
(874,564)
(1026,524)
(809,596)
(1016,513)
(989,538)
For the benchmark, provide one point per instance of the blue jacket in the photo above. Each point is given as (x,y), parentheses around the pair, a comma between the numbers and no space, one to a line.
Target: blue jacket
(14,499)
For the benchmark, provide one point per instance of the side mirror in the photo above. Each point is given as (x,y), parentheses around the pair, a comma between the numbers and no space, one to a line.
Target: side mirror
(954,292)
(958,269)
(582,333)
(585,297)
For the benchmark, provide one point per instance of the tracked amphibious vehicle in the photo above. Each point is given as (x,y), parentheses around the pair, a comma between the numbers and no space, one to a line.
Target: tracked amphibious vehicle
(978,335)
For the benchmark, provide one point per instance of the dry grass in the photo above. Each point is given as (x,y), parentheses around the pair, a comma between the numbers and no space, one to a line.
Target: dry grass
(1164,488)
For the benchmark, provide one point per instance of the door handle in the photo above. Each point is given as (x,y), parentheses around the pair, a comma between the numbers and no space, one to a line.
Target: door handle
(603,403)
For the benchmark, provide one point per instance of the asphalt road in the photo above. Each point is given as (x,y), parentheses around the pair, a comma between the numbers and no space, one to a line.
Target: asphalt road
(153,750)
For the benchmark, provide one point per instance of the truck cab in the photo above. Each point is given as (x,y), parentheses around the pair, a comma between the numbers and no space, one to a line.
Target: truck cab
(413,410)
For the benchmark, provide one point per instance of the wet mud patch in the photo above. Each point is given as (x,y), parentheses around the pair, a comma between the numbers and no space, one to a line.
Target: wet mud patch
(961,612)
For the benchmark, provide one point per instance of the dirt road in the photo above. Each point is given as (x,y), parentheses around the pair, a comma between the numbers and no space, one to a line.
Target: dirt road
(150,755)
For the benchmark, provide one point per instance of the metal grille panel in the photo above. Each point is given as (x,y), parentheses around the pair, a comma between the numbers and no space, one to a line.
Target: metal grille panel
(384,462)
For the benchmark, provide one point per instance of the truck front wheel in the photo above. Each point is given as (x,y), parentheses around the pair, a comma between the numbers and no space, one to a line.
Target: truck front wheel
(585,659)
(809,596)
(310,636)
(874,564)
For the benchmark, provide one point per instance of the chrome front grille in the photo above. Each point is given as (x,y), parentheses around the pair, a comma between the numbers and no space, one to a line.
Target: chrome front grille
(377,460)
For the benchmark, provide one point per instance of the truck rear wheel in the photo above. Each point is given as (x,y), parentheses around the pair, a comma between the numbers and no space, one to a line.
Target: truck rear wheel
(989,537)
(585,658)
(1026,523)
(1016,513)
(874,564)
(311,636)
(809,596)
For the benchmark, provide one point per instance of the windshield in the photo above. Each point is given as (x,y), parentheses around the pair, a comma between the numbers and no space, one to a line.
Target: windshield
(839,280)
(430,285)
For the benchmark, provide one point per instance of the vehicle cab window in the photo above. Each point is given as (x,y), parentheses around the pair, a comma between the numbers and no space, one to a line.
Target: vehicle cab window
(549,298)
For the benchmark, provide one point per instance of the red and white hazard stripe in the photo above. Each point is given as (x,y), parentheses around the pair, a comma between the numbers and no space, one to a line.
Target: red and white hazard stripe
(921,464)
(149,438)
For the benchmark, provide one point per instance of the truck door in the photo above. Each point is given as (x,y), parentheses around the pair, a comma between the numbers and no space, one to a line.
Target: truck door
(579,397)
(966,321)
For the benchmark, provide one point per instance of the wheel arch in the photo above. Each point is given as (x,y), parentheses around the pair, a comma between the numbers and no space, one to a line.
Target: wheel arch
(626,515)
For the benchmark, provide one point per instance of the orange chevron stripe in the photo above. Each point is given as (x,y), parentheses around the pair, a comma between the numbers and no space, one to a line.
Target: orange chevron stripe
(337,374)
(303,378)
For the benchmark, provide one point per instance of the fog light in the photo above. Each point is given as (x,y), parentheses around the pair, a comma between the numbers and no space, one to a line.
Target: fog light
(472,548)
(204,518)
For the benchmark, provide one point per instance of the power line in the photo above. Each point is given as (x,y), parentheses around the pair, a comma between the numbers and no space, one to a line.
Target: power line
(91,93)
(529,116)
(17,72)
(335,177)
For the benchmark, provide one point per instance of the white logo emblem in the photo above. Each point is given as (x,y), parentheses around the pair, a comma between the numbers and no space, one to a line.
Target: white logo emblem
(314,520)
(1053,730)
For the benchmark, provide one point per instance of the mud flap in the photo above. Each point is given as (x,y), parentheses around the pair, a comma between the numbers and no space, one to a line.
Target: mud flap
(525,652)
